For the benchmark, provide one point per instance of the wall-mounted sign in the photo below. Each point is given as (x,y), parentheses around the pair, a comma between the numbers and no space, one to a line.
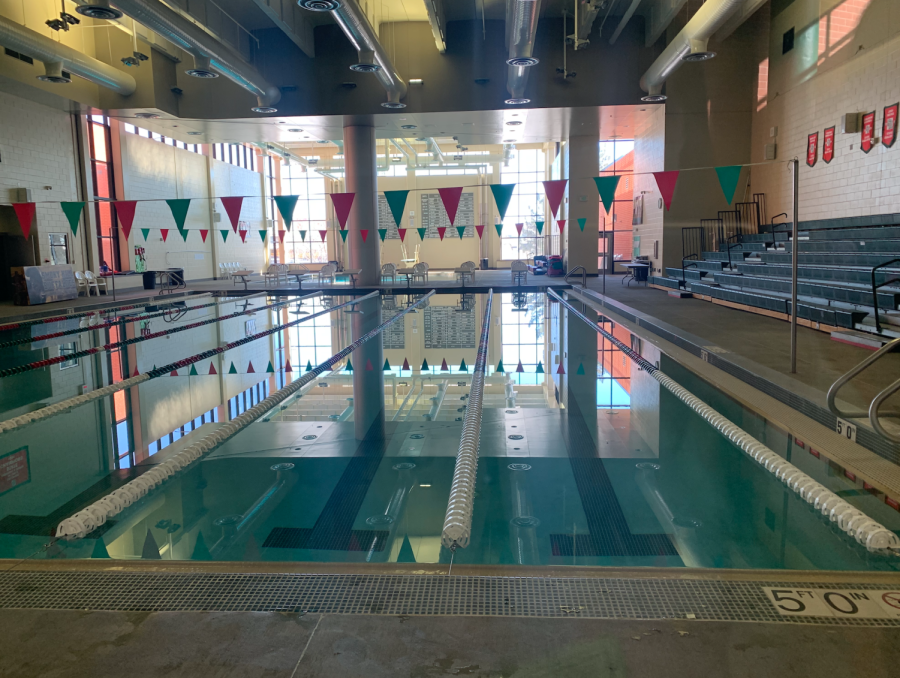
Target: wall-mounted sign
(43,284)
(828,144)
(14,469)
(868,132)
(889,125)
(812,149)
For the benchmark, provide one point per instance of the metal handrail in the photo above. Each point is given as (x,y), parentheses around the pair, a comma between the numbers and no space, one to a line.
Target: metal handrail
(583,275)
(875,416)
(728,247)
(875,288)
(695,264)
(842,381)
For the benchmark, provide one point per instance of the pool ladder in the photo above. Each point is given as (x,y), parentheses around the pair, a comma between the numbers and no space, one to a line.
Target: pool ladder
(874,414)
(583,275)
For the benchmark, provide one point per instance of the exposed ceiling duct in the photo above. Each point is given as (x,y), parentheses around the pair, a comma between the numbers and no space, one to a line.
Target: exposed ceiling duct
(58,57)
(372,57)
(689,45)
(209,54)
(521,28)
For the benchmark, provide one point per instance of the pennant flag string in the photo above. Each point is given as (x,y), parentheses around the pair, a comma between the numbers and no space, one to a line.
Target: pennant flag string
(286,205)
(450,197)
(25,212)
(342,203)
(728,180)
(232,207)
(396,201)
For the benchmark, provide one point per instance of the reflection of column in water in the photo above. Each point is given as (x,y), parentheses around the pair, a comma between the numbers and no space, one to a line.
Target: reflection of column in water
(390,519)
(523,526)
(685,529)
(237,528)
(368,376)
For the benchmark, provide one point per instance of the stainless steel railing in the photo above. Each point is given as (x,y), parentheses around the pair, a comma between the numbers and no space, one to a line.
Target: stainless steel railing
(583,275)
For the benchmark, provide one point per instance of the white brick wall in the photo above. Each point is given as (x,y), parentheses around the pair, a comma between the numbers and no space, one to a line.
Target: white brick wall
(229,180)
(649,156)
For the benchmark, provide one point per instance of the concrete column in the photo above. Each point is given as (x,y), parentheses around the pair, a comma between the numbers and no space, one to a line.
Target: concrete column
(362,179)
(584,202)
(368,382)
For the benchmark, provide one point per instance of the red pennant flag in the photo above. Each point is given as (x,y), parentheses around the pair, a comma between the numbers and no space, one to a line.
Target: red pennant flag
(368,365)
(243,235)
(125,212)
(519,228)
(164,232)
(173,373)
(281,235)
(135,372)
(480,231)
(322,234)
(25,212)
(561,223)
(555,191)
(212,369)
(342,204)
(287,367)
(204,233)
(560,369)
(405,364)
(520,368)
(441,231)
(402,232)
(450,197)
(666,182)
(444,367)
(250,369)
(233,210)
(364,232)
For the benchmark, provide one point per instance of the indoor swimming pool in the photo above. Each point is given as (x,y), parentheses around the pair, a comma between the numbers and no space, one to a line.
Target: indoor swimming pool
(585,459)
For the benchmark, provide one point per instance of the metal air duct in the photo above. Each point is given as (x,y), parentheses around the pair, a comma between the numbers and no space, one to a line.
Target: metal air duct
(689,45)
(99,9)
(522,21)
(57,57)
(205,49)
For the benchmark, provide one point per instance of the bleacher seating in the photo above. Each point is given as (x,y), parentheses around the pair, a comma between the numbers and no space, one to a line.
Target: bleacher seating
(834,275)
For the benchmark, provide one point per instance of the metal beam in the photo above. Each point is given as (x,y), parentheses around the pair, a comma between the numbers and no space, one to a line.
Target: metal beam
(435,9)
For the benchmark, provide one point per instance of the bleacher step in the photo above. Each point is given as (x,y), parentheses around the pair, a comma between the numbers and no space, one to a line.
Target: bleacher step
(861,339)
(680,294)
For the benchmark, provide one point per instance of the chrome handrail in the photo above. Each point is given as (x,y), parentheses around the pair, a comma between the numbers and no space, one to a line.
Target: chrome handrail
(842,381)
(875,417)
(583,275)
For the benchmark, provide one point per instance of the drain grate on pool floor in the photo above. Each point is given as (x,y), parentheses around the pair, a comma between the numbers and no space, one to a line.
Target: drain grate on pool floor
(302,538)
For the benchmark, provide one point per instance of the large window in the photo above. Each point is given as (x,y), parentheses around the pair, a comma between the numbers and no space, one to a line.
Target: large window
(168,141)
(617,157)
(104,191)
(303,244)
(310,342)
(239,155)
(526,170)
(522,336)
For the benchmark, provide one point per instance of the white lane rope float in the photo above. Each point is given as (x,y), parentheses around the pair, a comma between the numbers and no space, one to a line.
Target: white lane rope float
(90,518)
(867,532)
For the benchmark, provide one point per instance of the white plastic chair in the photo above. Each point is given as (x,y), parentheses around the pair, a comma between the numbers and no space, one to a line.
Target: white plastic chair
(272,274)
(389,271)
(224,273)
(519,270)
(94,282)
(467,268)
(420,272)
(82,284)
(327,273)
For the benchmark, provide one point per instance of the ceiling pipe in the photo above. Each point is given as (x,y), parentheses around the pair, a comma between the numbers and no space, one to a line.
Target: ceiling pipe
(209,53)
(689,45)
(624,21)
(436,149)
(58,57)
(372,57)
(521,32)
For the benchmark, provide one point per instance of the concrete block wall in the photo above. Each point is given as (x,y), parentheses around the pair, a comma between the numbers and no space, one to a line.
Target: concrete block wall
(649,156)
(229,180)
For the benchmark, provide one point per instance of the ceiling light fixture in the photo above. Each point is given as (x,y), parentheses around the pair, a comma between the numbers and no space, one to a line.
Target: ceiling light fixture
(522,61)
(513,123)
(264,109)
(295,130)
(407,126)
(99,9)
(517,102)
(654,98)
(319,5)
(698,56)
(194,134)
(393,104)
(146,116)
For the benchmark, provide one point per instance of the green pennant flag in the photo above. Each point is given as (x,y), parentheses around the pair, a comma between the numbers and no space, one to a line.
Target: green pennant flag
(224,235)
(500,367)
(502,196)
(460,230)
(540,368)
(406,554)
(539,225)
(232,369)
(145,232)
(262,235)
(193,372)
(201,551)
(343,235)
(382,232)
(100,550)
(421,232)
(179,209)
(286,204)
(270,369)
(606,186)
(73,214)
(387,365)
(349,367)
(728,180)
(499,228)
(424,365)
(396,200)
(303,236)
(463,367)
(581,223)
(183,233)
(309,365)
(580,369)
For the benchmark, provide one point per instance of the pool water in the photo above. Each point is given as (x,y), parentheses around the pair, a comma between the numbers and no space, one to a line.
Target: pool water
(585,460)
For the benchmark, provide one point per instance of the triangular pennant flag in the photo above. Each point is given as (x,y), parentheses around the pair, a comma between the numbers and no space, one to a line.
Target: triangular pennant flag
(444,367)
(287,367)
(173,373)
(364,232)
(539,225)
(500,367)
(421,232)
(425,365)
(499,228)
(581,222)
(145,232)
(322,235)
(405,364)
(396,200)
(450,197)
(193,372)
(369,367)
(212,369)
(125,212)
(302,236)
(270,369)
(343,236)
(540,368)
(580,369)
(382,232)
(101,552)
(606,186)
(561,223)
(519,228)
(286,204)
(201,551)
(387,366)
(224,233)
(406,554)
(179,207)
(150,550)
(460,230)
(441,230)
(250,369)
(560,369)
(502,196)
(232,369)
(349,366)
(25,213)
(309,365)
(555,191)
(281,235)
(666,182)
(164,232)
(203,233)
(262,235)
(463,367)
(135,372)
(183,234)
(342,204)
(402,233)
(728,180)
(480,231)
(243,235)
(72,211)
(233,210)
(520,368)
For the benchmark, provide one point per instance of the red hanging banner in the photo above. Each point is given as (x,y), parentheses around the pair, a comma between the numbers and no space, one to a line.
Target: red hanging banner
(402,233)
(441,230)
(364,232)
(342,204)
(812,149)
(204,233)
(322,235)
(281,235)
(867,137)
(519,228)
(450,197)
(480,231)
(233,210)
(164,232)
(243,235)
(555,191)
(125,212)
(828,144)
(666,182)
(25,213)
(889,125)
(561,223)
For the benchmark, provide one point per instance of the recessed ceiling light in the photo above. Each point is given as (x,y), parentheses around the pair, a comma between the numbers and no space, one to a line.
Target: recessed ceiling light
(322,141)
(264,109)
(146,116)
(517,102)
(509,141)
(513,123)
(295,130)
(407,126)
(194,134)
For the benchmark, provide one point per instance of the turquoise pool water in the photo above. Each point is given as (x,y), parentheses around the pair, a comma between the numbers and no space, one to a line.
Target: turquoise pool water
(584,459)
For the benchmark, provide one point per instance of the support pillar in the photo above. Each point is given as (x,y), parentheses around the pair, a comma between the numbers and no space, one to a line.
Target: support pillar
(584,203)
(362,179)
(368,374)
